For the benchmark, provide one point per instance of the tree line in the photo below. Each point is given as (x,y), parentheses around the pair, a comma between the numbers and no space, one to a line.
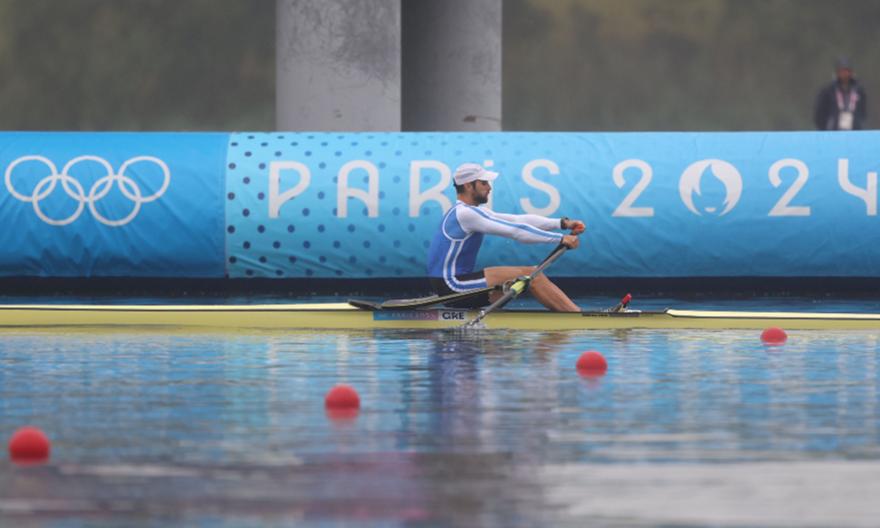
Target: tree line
(568,64)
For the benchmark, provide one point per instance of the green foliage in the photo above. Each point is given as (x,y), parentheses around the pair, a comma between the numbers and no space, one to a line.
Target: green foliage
(679,64)
(568,64)
(137,65)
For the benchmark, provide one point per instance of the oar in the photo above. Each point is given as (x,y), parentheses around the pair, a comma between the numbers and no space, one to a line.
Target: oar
(517,287)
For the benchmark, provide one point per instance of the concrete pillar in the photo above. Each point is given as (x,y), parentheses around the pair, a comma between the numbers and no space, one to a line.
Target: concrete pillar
(338,65)
(451,64)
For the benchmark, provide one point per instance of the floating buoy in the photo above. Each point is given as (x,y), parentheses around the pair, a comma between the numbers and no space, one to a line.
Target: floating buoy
(29,445)
(773,336)
(342,397)
(342,403)
(591,363)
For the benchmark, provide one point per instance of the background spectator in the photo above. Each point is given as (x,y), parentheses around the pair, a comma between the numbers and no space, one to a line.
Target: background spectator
(841,105)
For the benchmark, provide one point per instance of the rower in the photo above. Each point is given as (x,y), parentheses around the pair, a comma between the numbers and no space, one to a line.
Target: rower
(453,252)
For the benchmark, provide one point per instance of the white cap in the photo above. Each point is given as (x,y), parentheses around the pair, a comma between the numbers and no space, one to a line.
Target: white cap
(469,172)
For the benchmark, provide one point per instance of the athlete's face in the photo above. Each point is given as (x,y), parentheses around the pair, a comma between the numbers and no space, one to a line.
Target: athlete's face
(481,191)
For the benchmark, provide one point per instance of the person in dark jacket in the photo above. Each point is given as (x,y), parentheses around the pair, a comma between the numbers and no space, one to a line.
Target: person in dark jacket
(842,105)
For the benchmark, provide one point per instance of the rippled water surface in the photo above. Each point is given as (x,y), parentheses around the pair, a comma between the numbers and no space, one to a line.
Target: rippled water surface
(687,428)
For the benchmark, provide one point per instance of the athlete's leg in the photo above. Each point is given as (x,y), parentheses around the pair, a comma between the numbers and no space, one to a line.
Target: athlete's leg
(541,287)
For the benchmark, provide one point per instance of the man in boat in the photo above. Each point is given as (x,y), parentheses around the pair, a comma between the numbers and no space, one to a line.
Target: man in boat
(453,252)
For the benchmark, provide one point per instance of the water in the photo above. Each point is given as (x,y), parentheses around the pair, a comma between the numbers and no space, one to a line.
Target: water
(687,428)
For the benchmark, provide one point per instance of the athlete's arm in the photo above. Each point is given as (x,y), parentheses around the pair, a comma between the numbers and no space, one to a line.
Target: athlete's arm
(474,220)
(541,222)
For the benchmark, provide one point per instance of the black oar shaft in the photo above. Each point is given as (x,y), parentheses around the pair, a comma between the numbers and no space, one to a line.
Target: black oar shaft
(560,249)
(519,285)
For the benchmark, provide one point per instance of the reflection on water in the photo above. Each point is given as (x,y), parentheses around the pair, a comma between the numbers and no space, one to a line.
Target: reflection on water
(479,428)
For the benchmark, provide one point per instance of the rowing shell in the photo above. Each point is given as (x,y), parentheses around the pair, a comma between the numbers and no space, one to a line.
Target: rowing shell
(345,316)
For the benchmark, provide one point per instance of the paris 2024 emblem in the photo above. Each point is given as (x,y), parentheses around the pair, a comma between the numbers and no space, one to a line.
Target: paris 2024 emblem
(693,183)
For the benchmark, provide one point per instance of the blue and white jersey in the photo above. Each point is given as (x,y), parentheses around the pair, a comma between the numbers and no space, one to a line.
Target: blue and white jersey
(454,249)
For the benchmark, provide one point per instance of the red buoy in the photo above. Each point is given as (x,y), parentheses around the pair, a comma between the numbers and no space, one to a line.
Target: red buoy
(773,336)
(342,403)
(342,397)
(29,445)
(591,363)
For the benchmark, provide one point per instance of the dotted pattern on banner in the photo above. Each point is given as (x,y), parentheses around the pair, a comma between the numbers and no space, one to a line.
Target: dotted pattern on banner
(309,239)
(315,234)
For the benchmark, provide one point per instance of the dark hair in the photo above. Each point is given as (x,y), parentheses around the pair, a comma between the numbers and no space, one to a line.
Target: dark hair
(459,188)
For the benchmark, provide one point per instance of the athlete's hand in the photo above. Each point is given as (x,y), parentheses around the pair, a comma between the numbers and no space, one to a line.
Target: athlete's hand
(570,241)
(576,226)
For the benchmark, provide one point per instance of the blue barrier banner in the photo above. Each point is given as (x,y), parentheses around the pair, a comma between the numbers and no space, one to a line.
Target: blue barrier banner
(112,204)
(365,205)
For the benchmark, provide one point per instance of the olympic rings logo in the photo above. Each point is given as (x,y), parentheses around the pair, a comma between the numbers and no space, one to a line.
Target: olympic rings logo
(74,189)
